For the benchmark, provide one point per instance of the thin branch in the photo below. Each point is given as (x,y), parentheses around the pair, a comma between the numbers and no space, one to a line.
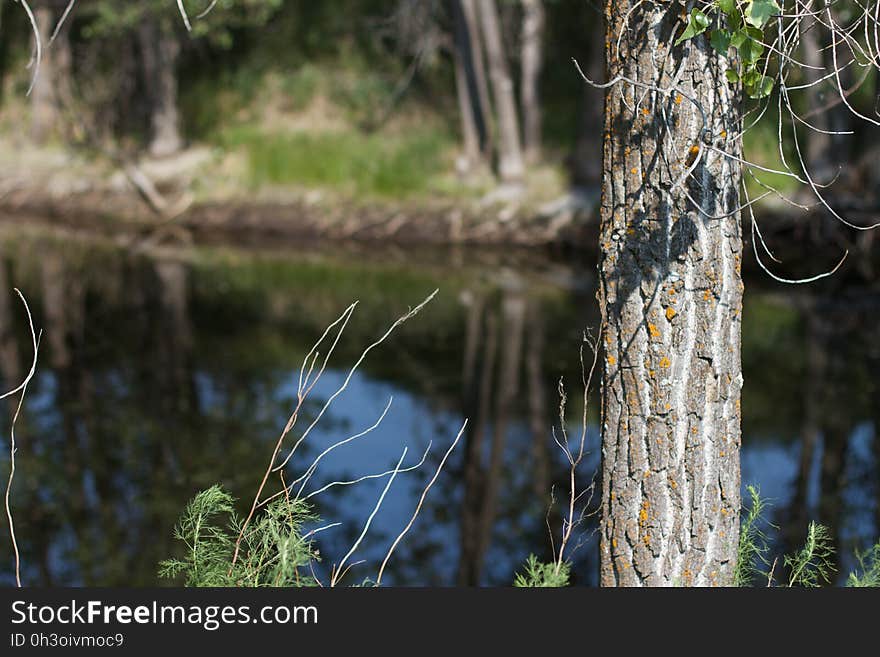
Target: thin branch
(35,338)
(339,572)
(419,505)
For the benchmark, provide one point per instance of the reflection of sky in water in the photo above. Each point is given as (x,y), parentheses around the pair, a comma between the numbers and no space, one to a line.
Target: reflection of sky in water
(138,482)
(412,422)
(430,552)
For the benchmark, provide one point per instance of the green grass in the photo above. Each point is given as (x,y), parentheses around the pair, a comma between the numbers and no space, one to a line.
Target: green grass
(375,165)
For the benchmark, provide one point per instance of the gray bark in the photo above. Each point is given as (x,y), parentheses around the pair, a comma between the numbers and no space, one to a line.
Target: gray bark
(510,158)
(671,293)
(531,60)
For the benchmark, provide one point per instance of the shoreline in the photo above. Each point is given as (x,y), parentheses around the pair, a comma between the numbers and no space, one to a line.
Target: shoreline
(297,221)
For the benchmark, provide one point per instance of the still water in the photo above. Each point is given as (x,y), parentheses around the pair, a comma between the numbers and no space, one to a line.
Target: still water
(165,370)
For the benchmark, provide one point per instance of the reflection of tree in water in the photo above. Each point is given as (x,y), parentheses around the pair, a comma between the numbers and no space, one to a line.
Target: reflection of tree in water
(504,341)
(158,378)
(113,440)
(152,385)
(840,393)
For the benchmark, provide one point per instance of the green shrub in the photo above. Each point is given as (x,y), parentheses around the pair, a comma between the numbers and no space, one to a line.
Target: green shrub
(869,565)
(273,550)
(539,574)
(753,544)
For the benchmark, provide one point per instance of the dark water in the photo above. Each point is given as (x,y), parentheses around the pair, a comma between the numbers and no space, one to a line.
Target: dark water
(164,371)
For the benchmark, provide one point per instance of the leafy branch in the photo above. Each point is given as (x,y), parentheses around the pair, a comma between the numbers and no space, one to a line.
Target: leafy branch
(737,25)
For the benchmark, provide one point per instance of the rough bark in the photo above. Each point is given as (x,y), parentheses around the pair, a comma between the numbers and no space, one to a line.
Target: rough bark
(671,292)
(159,52)
(510,158)
(531,59)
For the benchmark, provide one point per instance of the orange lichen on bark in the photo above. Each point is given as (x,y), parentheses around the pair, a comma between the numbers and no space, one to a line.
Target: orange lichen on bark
(664,362)
(670,313)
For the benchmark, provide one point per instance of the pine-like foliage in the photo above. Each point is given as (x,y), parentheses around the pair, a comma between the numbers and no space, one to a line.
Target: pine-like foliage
(542,574)
(753,543)
(273,551)
(868,572)
(812,565)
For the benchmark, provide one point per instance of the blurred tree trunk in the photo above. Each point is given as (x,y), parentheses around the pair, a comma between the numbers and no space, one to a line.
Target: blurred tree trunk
(819,159)
(510,158)
(586,165)
(531,62)
(53,78)
(477,71)
(159,51)
(671,293)
(470,106)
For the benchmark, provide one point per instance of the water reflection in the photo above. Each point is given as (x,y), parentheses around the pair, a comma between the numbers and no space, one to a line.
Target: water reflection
(164,372)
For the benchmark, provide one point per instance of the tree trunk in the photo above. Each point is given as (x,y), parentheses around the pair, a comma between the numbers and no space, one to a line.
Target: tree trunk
(477,74)
(159,51)
(671,293)
(531,60)
(586,165)
(510,159)
(43,109)
(819,147)
(473,128)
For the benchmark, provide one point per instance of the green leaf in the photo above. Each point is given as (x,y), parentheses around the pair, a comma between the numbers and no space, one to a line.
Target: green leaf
(751,77)
(758,12)
(720,40)
(698,23)
(750,51)
(732,75)
(757,85)
(765,87)
(738,38)
(727,6)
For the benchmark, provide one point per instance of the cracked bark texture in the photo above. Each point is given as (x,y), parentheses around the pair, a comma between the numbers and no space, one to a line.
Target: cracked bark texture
(671,292)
